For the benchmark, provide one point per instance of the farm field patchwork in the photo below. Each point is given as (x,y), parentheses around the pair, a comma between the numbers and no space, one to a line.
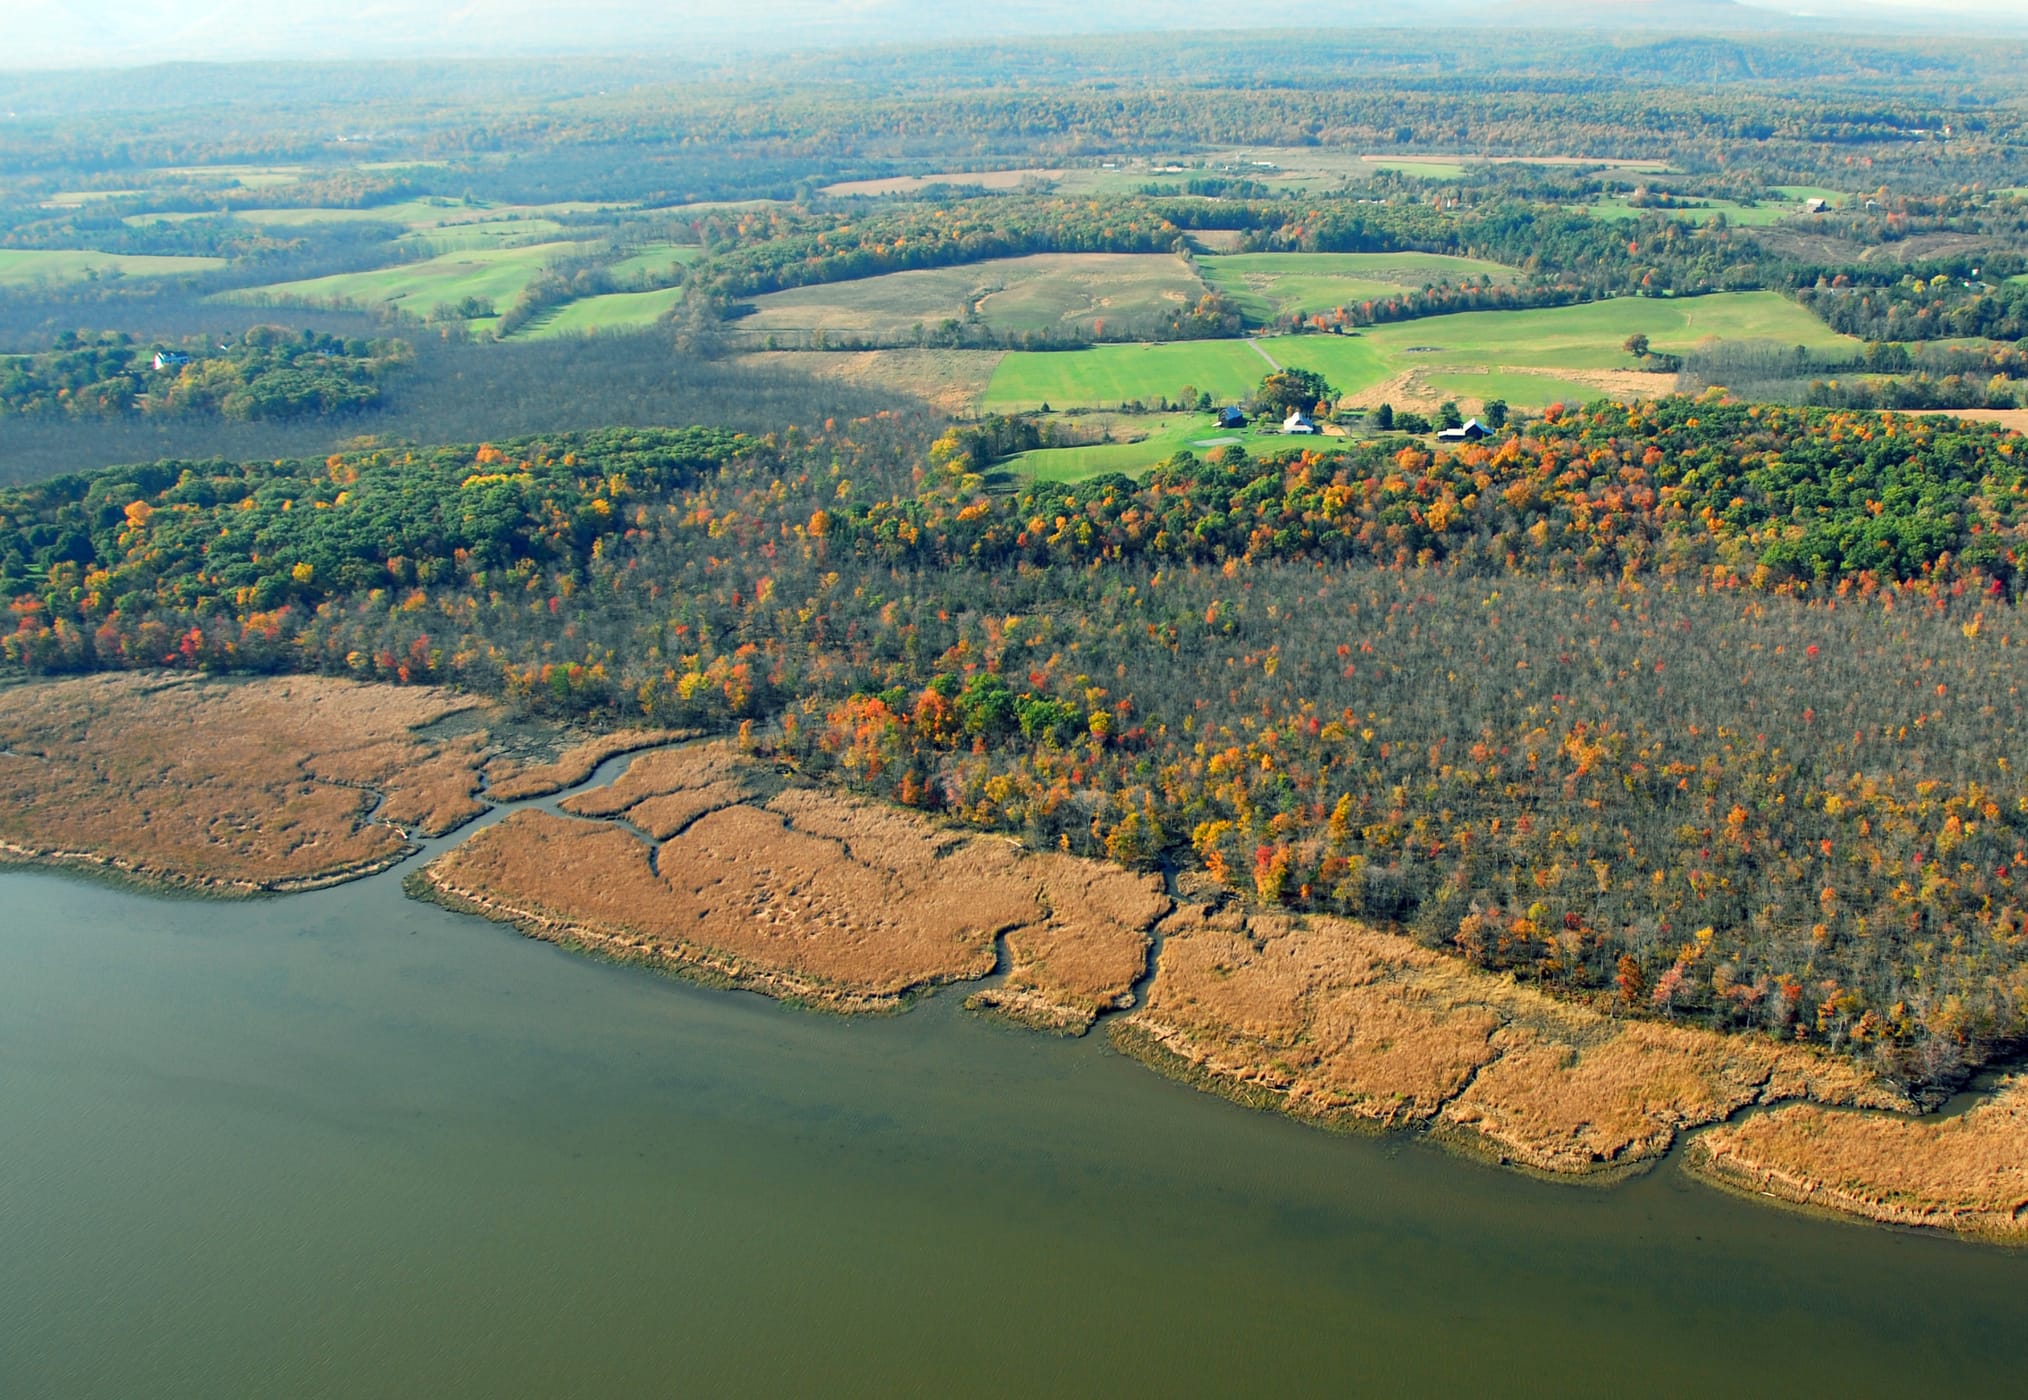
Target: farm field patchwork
(1535,351)
(1266,285)
(21,267)
(495,274)
(1047,292)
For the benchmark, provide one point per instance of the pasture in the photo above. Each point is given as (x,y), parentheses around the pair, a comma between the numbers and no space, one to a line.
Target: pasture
(1267,285)
(1115,374)
(656,261)
(496,274)
(615,311)
(1530,358)
(1047,292)
(1145,442)
(1703,211)
(484,233)
(28,267)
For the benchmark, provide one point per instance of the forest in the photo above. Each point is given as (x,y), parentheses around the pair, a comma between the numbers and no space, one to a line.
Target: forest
(1704,708)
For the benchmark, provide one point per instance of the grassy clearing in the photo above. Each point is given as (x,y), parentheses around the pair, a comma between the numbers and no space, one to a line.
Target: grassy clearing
(658,261)
(1048,292)
(23,267)
(1266,285)
(496,274)
(72,199)
(1529,352)
(1421,169)
(1142,442)
(1115,374)
(487,233)
(249,177)
(617,311)
(1751,216)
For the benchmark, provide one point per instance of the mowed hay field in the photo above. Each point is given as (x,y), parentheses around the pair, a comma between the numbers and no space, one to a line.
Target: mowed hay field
(1266,285)
(1529,358)
(1109,375)
(615,311)
(498,274)
(1047,292)
(27,267)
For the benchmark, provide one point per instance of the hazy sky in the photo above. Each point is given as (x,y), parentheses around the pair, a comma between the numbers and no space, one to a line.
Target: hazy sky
(42,33)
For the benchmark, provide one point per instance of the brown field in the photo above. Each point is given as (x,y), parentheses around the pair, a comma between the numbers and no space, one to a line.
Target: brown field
(511,780)
(2013,419)
(807,895)
(1967,1174)
(915,184)
(229,787)
(1041,292)
(951,381)
(1333,1021)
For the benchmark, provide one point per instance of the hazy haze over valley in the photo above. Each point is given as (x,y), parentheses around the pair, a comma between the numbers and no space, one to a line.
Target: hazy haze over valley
(83,33)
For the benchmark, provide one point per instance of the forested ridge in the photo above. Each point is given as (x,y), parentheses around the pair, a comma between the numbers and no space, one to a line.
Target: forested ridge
(1706,709)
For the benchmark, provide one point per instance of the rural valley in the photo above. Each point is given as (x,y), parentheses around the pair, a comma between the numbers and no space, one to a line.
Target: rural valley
(1454,586)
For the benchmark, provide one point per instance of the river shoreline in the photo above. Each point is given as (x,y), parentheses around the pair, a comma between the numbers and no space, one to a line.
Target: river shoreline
(697,861)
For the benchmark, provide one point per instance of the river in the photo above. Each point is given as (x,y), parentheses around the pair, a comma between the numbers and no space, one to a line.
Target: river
(347,1144)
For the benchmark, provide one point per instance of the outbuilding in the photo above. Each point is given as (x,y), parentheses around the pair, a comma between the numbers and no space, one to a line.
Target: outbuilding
(1471,430)
(1231,417)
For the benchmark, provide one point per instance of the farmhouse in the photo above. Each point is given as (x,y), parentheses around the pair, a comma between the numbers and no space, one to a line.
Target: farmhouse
(1298,422)
(170,359)
(1470,431)
(1230,417)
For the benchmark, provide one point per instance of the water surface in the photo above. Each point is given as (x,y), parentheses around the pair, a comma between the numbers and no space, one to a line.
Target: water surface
(345,1144)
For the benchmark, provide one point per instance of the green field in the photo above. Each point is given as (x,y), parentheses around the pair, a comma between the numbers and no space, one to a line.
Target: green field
(617,311)
(1047,292)
(1516,354)
(1421,169)
(1115,374)
(21,267)
(484,233)
(498,274)
(655,260)
(1155,440)
(1267,285)
(245,176)
(1751,216)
